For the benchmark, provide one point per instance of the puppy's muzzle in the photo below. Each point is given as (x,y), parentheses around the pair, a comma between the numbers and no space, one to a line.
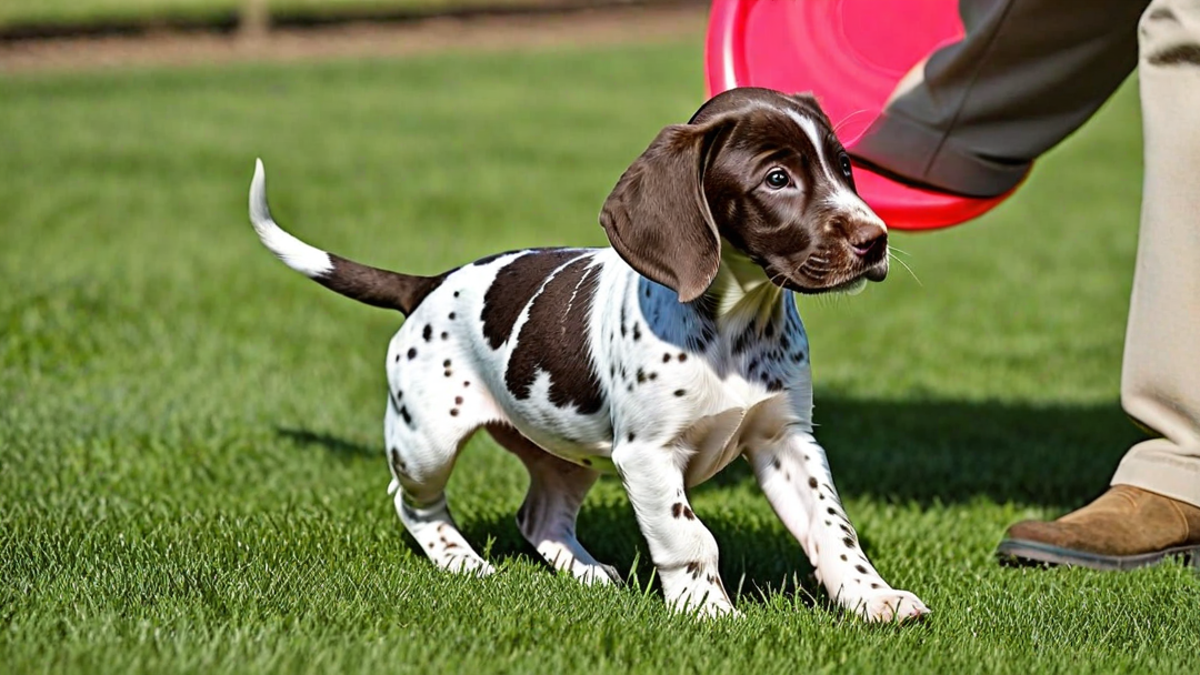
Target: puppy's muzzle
(868,244)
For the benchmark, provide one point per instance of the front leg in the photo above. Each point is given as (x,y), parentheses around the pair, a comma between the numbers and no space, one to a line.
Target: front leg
(683,550)
(795,477)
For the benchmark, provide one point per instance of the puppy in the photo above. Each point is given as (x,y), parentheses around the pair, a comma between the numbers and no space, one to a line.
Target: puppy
(659,360)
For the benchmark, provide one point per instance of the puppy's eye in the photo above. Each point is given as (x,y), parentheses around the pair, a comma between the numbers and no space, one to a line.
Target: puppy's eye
(777,178)
(845,162)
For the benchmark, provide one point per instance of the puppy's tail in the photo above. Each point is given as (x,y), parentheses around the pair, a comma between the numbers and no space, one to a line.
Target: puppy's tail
(373,286)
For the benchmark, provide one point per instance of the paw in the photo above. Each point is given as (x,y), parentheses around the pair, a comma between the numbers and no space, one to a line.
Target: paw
(715,610)
(467,564)
(888,605)
(571,562)
(708,601)
(706,609)
(598,574)
(692,590)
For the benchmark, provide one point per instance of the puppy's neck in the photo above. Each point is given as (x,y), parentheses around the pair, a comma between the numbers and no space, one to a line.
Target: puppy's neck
(741,290)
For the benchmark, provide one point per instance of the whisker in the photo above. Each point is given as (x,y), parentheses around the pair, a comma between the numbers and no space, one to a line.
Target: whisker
(898,250)
(910,270)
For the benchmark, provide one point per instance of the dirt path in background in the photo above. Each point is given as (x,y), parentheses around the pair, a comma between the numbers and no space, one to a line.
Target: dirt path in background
(484,33)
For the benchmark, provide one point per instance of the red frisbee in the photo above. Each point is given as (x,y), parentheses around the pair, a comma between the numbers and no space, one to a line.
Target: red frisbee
(850,54)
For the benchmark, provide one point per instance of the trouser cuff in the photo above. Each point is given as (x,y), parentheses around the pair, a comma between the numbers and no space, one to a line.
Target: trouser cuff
(1158,466)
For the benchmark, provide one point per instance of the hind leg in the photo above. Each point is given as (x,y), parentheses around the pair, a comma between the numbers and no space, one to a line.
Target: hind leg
(547,517)
(421,455)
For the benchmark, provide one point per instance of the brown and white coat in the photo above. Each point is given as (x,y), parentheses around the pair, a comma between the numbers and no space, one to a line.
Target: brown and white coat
(660,360)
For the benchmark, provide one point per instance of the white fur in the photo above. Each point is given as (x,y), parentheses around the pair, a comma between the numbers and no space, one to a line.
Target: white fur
(810,130)
(307,260)
(846,201)
(843,199)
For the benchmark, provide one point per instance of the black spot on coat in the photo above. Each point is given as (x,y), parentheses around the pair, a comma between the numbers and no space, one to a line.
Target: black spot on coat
(1179,55)
(681,510)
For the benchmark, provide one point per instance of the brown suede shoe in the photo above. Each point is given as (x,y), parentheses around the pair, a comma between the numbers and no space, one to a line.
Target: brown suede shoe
(1125,528)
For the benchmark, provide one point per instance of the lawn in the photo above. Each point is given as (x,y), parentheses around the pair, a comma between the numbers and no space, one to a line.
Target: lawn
(20,12)
(191,477)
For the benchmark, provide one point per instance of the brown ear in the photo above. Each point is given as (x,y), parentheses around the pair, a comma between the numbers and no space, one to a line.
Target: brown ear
(657,216)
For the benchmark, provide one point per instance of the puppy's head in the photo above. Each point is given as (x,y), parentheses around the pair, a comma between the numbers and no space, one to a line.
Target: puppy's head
(761,170)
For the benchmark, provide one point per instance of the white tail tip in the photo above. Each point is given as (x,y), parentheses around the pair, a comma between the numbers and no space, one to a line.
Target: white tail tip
(308,260)
(260,213)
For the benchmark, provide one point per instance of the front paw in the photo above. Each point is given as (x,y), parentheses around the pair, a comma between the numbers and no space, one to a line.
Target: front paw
(706,608)
(598,574)
(461,563)
(694,591)
(888,604)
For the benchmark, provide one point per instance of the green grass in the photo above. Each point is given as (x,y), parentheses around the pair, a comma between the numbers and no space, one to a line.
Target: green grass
(190,471)
(21,12)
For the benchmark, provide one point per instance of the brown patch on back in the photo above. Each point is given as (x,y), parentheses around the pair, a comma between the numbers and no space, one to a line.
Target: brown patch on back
(554,339)
(513,287)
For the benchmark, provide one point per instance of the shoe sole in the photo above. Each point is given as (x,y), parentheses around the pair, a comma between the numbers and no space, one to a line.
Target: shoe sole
(1019,552)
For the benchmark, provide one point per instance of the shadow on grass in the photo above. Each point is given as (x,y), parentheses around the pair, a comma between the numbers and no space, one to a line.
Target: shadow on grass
(952,452)
(756,560)
(928,452)
(340,447)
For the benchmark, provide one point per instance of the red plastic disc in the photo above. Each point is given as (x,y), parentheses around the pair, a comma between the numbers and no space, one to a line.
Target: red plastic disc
(850,54)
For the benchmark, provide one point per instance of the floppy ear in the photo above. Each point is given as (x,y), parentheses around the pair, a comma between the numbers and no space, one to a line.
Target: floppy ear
(657,216)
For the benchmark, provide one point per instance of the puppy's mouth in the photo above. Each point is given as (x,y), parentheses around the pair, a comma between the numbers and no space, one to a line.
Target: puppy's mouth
(817,282)
(852,287)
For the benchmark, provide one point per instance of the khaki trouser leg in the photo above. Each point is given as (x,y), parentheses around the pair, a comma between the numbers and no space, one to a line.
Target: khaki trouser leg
(1161,377)
(1029,73)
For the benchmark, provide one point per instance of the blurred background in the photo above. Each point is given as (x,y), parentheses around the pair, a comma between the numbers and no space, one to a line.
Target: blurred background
(191,476)
(30,17)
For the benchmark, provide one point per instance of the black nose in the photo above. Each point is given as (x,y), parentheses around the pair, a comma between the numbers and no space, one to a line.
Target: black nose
(868,241)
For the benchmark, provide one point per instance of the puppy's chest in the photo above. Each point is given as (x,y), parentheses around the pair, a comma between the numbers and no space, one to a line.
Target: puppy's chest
(709,383)
(748,354)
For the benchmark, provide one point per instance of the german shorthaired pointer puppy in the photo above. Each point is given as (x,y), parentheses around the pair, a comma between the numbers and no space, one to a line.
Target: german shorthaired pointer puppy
(661,359)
